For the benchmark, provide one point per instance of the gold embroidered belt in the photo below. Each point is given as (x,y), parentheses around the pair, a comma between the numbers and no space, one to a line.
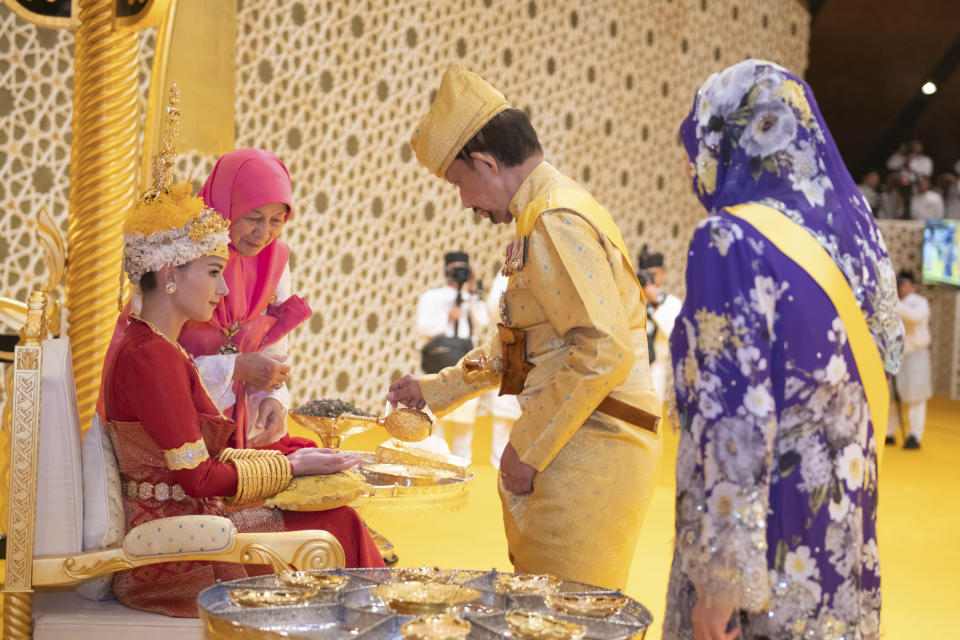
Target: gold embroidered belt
(160,491)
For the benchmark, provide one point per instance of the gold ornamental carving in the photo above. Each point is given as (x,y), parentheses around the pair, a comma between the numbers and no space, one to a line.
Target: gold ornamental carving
(54,254)
(24,447)
(318,554)
(28,360)
(260,554)
(79,568)
(34,331)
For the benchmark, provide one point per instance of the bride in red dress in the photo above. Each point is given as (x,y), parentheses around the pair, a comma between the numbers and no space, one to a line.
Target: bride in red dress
(169,435)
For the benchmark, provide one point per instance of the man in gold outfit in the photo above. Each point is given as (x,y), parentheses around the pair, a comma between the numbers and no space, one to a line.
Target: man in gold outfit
(577,475)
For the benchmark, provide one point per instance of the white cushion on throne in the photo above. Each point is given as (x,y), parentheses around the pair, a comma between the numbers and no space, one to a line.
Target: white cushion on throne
(103,522)
(59,523)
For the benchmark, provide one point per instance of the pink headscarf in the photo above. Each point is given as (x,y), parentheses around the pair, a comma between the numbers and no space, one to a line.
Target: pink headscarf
(241,181)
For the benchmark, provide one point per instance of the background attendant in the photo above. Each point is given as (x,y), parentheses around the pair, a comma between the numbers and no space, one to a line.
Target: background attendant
(662,309)
(439,315)
(913,384)
(241,350)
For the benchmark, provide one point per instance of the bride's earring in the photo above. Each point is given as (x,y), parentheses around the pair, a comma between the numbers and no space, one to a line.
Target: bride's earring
(171,287)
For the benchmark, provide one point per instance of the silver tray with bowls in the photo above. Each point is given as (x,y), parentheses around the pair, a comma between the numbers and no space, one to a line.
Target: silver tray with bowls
(351,610)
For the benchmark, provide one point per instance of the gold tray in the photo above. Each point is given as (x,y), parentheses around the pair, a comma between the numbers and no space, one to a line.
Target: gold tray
(383,474)
(591,606)
(435,627)
(419,598)
(396,452)
(313,580)
(527,625)
(526,584)
(270,597)
(428,498)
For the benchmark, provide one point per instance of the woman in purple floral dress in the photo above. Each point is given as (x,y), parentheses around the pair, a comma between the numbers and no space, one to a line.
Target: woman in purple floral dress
(777,468)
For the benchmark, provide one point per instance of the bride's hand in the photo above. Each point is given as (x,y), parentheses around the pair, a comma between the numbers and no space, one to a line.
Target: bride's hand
(310,461)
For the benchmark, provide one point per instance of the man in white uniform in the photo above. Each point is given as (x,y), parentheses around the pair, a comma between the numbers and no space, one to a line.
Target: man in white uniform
(913,383)
(666,308)
(926,204)
(911,162)
(454,310)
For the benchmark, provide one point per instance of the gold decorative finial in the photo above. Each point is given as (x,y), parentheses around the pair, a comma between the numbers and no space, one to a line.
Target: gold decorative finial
(165,159)
(35,330)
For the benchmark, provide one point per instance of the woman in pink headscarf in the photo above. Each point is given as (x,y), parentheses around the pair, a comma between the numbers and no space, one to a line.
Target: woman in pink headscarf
(241,352)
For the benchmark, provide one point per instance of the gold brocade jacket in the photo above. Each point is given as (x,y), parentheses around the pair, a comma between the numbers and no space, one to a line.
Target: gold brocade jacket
(578,300)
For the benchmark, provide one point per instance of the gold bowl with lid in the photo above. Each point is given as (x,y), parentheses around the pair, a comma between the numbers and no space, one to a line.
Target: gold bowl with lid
(528,625)
(420,598)
(526,583)
(590,606)
(424,574)
(270,597)
(313,580)
(435,627)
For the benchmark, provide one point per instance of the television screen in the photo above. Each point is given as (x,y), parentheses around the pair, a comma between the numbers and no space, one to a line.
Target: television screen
(941,252)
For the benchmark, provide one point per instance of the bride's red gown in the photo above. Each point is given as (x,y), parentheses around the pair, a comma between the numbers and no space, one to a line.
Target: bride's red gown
(156,410)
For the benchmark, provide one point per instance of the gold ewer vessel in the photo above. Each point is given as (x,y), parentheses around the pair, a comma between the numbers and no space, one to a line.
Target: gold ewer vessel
(409,425)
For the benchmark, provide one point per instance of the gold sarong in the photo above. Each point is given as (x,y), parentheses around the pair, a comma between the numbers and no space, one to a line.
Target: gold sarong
(584,516)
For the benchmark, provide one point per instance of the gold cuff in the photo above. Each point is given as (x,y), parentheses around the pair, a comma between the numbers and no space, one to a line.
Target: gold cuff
(187,456)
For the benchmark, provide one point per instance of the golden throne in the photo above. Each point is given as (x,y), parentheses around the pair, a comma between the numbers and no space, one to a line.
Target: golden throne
(44,555)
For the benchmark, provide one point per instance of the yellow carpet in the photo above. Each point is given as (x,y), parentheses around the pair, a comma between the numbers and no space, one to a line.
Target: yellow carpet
(919,521)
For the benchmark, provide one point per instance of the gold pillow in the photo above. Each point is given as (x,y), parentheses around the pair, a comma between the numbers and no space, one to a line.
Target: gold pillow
(319,493)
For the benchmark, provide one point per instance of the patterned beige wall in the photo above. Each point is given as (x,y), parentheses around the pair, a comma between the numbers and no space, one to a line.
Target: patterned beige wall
(904,241)
(335,88)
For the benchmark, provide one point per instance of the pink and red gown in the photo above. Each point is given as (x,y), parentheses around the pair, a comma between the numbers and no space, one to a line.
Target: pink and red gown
(154,404)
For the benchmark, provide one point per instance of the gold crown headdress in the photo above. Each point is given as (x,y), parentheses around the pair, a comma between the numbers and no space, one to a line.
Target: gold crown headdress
(168,225)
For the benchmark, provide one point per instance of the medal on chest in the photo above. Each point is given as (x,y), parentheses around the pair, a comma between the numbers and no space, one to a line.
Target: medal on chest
(516,255)
(504,311)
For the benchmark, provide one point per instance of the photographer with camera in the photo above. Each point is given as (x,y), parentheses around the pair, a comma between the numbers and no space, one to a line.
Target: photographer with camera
(662,311)
(448,320)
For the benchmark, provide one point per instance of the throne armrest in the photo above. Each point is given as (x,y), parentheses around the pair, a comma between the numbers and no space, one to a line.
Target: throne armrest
(193,538)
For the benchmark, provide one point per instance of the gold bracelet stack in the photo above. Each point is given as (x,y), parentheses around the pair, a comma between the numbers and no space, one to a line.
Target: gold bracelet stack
(260,473)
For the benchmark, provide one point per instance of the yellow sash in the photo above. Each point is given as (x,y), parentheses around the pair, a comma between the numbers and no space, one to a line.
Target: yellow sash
(583,204)
(796,243)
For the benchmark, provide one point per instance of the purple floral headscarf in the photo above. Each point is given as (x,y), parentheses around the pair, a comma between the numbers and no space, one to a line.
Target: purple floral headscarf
(755,134)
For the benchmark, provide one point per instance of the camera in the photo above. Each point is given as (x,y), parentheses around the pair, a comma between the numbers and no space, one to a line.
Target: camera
(460,275)
(645,277)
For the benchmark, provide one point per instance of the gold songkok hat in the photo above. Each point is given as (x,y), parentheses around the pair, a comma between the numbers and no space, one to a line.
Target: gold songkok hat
(168,225)
(464,103)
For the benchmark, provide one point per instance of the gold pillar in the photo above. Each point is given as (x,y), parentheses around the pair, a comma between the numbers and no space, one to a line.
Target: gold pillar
(103,180)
